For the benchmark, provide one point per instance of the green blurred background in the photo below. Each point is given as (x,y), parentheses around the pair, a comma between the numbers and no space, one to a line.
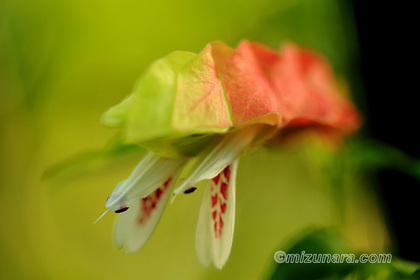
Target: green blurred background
(63,63)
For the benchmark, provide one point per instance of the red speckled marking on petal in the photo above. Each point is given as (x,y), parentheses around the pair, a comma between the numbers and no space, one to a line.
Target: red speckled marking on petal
(213,200)
(150,202)
(216,180)
(224,190)
(158,193)
(219,196)
(226,172)
(223,207)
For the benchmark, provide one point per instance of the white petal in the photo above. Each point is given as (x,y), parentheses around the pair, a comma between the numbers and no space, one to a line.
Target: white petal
(134,227)
(203,241)
(124,223)
(216,158)
(217,219)
(149,174)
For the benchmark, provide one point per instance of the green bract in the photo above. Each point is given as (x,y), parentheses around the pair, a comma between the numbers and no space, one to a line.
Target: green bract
(186,99)
(176,106)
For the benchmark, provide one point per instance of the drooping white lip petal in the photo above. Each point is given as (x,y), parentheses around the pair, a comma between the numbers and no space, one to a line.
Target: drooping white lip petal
(133,228)
(124,224)
(216,158)
(151,172)
(217,219)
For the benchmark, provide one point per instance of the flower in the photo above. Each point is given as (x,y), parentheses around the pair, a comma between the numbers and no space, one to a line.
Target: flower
(198,113)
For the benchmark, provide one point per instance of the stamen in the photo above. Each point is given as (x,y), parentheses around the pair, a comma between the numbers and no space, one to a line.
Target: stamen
(100,217)
(121,209)
(190,190)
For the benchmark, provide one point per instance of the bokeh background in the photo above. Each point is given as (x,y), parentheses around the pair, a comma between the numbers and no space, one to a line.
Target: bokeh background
(63,63)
